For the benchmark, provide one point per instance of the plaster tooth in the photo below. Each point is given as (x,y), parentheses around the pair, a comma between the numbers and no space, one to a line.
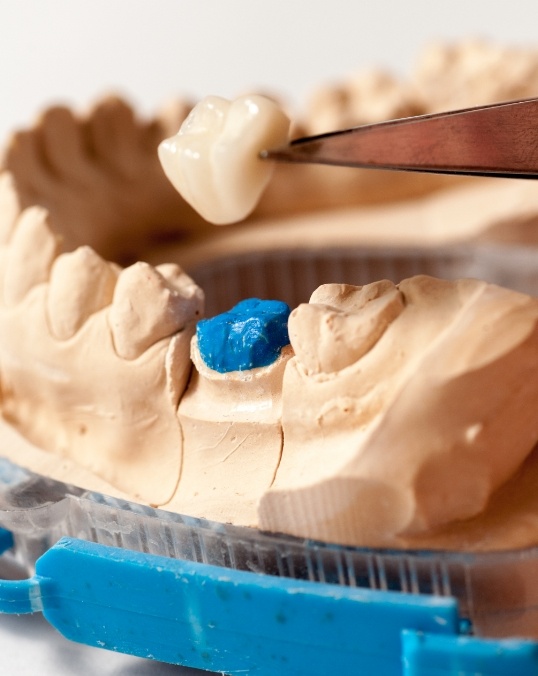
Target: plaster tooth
(10,207)
(147,308)
(342,323)
(24,158)
(32,251)
(62,143)
(115,135)
(81,283)
(184,285)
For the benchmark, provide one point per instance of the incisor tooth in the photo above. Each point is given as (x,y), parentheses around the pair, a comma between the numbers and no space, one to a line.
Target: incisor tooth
(32,251)
(81,283)
(342,323)
(147,308)
(10,207)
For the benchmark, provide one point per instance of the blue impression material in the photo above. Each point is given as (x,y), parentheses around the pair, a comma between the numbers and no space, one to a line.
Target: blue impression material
(249,335)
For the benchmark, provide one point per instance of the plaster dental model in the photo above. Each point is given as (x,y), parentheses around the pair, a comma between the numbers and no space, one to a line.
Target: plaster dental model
(213,159)
(231,413)
(97,387)
(94,359)
(404,409)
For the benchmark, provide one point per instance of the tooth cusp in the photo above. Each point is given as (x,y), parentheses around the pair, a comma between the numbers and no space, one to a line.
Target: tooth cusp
(147,308)
(214,161)
(81,284)
(192,294)
(250,335)
(10,207)
(342,323)
(32,251)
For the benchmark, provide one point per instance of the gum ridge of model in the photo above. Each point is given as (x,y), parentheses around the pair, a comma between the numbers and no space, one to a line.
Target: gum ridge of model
(404,409)
(213,161)
(230,415)
(248,336)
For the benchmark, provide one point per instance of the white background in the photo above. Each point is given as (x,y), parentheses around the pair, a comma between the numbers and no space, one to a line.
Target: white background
(74,50)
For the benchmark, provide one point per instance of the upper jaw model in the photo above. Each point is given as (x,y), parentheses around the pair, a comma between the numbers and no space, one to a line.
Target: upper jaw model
(355,433)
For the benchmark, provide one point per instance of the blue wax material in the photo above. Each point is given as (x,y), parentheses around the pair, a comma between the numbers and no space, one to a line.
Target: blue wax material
(248,336)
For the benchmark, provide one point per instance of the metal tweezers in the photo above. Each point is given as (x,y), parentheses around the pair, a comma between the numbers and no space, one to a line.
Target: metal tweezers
(492,140)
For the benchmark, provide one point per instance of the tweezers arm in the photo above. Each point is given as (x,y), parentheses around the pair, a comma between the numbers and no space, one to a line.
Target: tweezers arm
(498,140)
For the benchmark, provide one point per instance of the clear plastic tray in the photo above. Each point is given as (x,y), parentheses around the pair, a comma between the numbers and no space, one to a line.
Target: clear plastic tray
(497,592)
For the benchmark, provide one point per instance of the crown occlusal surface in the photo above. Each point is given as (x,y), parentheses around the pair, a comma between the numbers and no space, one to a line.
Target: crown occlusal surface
(213,160)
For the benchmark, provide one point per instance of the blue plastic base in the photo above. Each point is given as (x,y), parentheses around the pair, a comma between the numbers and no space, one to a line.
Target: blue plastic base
(240,622)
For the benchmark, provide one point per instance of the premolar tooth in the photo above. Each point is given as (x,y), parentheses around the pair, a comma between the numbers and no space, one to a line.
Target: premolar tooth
(147,308)
(81,283)
(213,160)
(342,323)
(10,207)
(32,251)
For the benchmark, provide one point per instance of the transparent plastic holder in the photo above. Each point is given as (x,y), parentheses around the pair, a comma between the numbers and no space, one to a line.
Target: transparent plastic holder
(496,592)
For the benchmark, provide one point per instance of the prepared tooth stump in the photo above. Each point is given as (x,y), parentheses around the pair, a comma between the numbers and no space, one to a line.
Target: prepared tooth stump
(402,414)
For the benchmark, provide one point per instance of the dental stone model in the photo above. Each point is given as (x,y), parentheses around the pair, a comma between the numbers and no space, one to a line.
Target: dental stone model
(213,159)
(404,409)
(231,413)
(93,359)
(94,347)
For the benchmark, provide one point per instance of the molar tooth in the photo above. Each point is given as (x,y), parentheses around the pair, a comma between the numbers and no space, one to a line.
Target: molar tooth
(81,283)
(342,323)
(213,160)
(32,251)
(147,308)
(10,207)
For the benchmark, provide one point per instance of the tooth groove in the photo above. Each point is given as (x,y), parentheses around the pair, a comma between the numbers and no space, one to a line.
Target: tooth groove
(147,308)
(32,251)
(81,283)
(10,207)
